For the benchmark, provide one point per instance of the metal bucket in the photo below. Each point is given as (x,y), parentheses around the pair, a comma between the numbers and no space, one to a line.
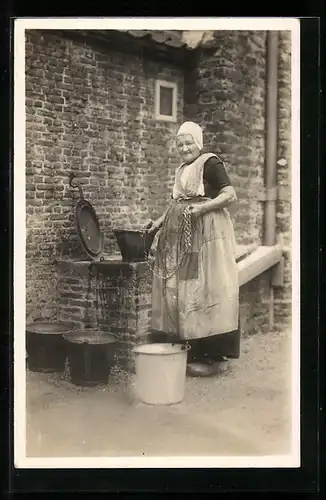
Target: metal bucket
(134,245)
(45,345)
(161,373)
(90,356)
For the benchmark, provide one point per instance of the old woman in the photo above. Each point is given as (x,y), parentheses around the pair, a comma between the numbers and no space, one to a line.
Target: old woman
(195,294)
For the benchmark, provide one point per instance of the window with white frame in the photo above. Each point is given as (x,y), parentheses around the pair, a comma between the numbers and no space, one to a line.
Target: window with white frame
(166,101)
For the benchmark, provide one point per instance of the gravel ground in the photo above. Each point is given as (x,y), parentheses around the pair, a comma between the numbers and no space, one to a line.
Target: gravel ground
(244,411)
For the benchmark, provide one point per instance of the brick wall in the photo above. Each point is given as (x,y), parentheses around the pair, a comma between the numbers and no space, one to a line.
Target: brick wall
(283,295)
(87,114)
(226,95)
(116,297)
(230,106)
(113,296)
(90,110)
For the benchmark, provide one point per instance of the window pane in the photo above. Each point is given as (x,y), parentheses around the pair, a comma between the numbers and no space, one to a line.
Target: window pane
(166,99)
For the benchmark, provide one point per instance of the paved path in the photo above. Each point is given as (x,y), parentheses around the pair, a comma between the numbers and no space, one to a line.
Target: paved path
(245,411)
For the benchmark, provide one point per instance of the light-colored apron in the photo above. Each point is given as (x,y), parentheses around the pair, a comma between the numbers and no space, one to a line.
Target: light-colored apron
(195,290)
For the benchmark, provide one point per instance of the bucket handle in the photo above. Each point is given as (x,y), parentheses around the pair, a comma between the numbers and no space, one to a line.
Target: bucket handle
(184,347)
(76,184)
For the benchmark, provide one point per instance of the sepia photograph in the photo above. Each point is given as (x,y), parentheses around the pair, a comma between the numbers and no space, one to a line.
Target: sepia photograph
(156,242)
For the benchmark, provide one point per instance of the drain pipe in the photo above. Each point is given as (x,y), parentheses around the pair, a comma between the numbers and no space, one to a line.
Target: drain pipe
(270,195)
(271,140)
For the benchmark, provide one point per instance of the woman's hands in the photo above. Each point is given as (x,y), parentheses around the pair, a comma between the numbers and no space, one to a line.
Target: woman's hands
(226,197)
(156,224)
(197,210)
(153,226)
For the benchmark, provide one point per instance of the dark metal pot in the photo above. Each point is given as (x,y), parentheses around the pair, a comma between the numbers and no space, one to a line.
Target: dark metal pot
(134,245)
(90,356)
(45,345)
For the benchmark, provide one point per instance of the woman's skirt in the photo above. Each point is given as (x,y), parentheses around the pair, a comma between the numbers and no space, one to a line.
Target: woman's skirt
(195,292)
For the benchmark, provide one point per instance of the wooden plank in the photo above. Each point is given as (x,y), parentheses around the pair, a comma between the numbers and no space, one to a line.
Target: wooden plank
(259,261)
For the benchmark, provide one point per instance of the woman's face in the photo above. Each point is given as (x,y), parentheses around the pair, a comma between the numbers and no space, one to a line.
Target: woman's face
(187,148)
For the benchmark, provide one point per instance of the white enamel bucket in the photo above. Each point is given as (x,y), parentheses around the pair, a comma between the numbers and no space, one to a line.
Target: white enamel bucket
(160,373)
